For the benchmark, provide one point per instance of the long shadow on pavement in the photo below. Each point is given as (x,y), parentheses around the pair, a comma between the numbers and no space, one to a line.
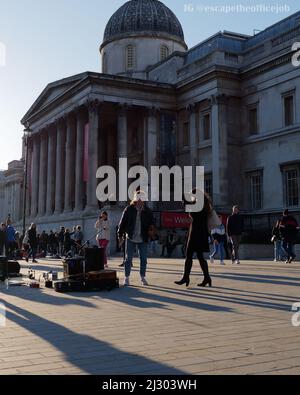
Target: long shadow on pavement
(90,355)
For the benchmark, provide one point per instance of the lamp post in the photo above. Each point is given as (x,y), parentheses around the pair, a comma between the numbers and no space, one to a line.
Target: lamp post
(26,136)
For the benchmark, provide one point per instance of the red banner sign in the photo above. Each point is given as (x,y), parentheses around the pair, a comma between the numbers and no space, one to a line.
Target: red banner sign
(175,220)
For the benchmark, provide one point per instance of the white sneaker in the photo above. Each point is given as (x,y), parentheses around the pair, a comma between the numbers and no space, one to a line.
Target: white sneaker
(212,260)
(126,282)
(238,262)
(144,281)
(222,263)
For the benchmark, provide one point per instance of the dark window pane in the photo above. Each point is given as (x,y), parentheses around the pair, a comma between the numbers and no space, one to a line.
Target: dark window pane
(289,110)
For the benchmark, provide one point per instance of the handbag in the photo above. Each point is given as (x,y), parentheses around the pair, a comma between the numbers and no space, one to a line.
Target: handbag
(213,221)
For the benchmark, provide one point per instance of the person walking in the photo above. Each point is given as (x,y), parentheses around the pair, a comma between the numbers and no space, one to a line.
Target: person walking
(2,238)
(198,243)
(33,243)
(136,224)
(103,236)
(235,229)
(276,239)
(219,239)
(288,230)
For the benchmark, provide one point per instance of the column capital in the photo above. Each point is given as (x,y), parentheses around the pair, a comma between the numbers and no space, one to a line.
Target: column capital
(191,108)
(122,109)
(219,99)
(94,105)
(153,111)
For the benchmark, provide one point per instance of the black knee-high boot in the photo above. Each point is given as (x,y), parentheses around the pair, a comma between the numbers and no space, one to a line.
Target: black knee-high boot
(187,271)
(207,279)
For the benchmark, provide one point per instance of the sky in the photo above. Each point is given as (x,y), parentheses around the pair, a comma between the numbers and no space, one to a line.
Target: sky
(42,41)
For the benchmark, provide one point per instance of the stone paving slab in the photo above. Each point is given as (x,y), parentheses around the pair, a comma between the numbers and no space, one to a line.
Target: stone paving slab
(240,326)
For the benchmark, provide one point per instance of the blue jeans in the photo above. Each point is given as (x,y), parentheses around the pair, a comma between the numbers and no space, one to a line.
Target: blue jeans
(278,250)
(219,248)
(288,247)
(130,249)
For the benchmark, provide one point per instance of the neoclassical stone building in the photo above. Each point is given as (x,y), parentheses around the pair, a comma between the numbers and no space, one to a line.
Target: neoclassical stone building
(231,104)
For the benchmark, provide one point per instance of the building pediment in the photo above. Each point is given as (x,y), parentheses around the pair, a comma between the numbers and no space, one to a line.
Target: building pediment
(53,92)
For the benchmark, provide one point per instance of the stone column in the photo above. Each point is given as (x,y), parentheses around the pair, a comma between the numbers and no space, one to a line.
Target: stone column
(79,161)
(219,150)
(50,204)
(35,176)
(193,139)
(43,174)
(92,205)
(152,139)
(29,179)
(60,166)
(70,165)
(122,145)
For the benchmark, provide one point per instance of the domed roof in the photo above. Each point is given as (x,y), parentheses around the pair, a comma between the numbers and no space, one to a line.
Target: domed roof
(143,16)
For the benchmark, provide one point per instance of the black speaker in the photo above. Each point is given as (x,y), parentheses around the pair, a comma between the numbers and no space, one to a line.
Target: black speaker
(8,268)
(94,259)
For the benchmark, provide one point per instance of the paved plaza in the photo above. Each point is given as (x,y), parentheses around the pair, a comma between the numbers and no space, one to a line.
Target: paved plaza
(243,325)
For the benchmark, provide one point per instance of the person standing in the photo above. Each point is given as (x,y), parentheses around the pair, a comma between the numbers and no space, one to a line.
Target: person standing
(61,238)
(235,229)
(2,238)
(288,230)
(78,238)
(198,243)
(136,223)
(103,236)
(219,239)
(33,243)
(67,243)
(10,240)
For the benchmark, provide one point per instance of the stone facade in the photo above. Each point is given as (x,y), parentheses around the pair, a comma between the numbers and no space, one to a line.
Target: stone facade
(229,104)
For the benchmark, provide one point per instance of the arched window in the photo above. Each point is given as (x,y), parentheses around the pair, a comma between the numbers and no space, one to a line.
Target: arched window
(130,57)
(164,52)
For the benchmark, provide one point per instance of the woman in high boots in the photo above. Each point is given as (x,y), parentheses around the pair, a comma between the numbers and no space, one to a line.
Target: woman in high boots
(198,243)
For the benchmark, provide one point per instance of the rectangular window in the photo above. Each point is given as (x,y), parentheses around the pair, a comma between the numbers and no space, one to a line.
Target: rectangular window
(291,180)
(289,110)
(186,134)
(206,126)
(256,190)
(253,121)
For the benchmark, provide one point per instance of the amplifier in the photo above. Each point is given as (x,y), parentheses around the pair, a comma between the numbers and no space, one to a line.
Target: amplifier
(94,259)
(73,266)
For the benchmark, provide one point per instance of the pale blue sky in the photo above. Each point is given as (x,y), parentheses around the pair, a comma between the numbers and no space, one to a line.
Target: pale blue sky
(48,40)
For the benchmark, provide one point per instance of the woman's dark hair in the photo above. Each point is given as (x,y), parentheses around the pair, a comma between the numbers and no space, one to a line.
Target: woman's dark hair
(208,206)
